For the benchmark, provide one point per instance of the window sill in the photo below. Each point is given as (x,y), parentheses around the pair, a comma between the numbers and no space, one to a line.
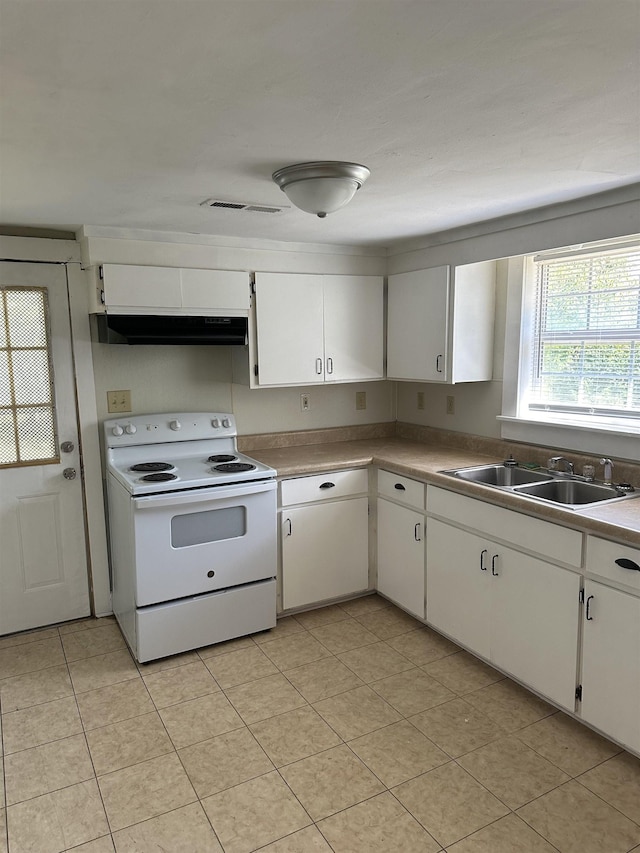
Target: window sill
(621,442)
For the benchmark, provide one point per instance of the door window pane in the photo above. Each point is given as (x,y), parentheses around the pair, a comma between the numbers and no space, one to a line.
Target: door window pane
(27,419)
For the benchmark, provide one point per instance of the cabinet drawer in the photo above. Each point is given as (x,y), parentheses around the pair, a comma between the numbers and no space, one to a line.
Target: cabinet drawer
(601,560)
(541,537)
(324,487)
(402,489)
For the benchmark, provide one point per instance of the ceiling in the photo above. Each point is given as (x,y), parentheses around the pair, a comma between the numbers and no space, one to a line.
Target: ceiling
(130,113)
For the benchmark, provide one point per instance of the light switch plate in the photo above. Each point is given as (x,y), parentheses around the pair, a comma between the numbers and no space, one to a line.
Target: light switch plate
(118,401)
(361,400)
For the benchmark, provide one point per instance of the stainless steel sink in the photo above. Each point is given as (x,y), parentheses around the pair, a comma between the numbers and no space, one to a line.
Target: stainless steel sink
(569,492)
(500,475)
(566,490)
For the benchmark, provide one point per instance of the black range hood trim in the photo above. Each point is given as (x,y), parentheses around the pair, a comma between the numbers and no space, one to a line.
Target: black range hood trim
(164,330)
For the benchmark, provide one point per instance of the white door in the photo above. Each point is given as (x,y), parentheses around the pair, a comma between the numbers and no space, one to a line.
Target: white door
(43,563)
(324,551)
(353,327)
(289,329)
(459,585)
(534,623)
(611,663)
(417,325)
(401,556)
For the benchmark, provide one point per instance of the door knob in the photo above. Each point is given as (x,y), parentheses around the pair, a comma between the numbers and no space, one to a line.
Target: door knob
(69,473)
(67,447)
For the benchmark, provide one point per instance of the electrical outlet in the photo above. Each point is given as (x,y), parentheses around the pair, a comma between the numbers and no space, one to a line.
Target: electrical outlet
(451,405)
(361,400)
(420,400)
(118,401)
(305,402)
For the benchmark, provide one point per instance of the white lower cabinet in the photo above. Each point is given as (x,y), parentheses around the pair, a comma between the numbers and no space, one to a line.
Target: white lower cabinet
(535,613)
(611,663)
(458,590)
(401,556)
(515,610)
(401,552)
(325,552)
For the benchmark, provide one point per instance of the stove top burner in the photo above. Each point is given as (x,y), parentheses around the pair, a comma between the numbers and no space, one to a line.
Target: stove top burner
(230,467)
(152,466)
(159,478)
(221,457)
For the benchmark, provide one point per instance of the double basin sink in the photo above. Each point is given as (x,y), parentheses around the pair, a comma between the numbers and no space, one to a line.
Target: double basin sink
(567,490)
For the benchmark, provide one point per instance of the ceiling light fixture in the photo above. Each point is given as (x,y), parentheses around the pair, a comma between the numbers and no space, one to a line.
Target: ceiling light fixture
(321,187)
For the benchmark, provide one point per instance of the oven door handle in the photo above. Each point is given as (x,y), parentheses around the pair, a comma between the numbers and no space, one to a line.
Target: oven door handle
(213,493)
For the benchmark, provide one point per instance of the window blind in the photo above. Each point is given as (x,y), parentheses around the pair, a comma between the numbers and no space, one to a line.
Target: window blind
(586,337)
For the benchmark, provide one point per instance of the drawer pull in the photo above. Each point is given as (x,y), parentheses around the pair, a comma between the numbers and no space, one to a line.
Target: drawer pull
(627,564)
(494,560)
(327,485)
(483,566)
(400,487)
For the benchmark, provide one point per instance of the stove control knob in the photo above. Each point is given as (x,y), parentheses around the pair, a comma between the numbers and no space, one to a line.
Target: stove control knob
(130,429)
(117,430)
(175,425)
(215,423)
(226,423)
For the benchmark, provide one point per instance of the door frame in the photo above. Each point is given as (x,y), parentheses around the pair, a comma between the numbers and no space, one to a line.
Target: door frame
(67,252)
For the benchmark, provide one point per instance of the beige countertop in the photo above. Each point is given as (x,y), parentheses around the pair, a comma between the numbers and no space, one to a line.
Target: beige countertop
(619,520)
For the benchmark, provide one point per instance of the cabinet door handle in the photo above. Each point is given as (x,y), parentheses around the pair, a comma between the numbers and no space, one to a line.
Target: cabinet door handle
(329,365)
(399,487)
(483,567)
(416,532)
(319,366)
(326,485)
(438,364)
(494,560)
(588,615)
(288,521)
(627,564)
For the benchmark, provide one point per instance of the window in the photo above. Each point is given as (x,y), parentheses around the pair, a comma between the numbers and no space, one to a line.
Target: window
(27,425)
(572,349)
(585,344)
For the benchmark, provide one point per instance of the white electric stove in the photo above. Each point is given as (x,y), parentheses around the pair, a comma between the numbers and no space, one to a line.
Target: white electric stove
(192,532)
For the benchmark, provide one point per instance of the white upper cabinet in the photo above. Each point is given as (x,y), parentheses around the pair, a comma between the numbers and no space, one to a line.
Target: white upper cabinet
(290,335)
(314,329)
(353,327)
(440,324)
(131,289)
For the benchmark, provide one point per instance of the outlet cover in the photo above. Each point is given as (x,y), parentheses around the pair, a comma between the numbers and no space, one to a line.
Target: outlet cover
(451,405)
(361,400)
(305,402)
(118,401)
(420,399)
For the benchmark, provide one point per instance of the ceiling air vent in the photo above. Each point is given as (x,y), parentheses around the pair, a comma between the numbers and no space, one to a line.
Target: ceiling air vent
(221,204)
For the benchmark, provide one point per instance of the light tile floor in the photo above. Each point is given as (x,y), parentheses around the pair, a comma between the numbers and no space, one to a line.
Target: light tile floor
(350,728)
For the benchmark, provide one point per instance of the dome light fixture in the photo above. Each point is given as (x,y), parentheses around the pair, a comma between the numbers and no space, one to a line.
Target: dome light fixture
(321,187)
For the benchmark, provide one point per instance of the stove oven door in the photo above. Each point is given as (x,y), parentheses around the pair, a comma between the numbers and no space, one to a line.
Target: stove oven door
(195,541)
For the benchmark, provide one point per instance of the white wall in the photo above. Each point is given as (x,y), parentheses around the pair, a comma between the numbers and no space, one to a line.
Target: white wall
(169,378)
(477,405)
